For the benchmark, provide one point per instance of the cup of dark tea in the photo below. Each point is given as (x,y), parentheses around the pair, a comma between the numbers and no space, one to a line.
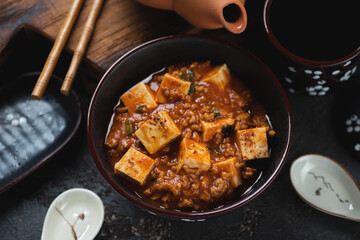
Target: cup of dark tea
(319,43)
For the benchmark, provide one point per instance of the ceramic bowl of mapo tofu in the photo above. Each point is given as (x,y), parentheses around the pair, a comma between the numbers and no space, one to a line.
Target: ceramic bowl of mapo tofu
(189,127)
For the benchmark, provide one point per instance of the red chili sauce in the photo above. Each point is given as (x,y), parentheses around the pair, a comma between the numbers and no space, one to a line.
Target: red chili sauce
(212,110)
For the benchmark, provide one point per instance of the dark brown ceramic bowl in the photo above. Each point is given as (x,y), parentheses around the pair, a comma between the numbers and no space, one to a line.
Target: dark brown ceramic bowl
(154,55)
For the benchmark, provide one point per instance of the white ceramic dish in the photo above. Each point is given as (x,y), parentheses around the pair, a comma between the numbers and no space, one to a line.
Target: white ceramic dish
(76,214)
(326,185)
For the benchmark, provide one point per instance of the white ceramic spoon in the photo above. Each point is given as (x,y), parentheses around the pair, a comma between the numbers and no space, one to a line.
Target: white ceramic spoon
(76,214)
(326,185)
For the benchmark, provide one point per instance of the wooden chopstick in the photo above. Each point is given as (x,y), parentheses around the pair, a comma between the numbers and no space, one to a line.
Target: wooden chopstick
(59,44)
(81,47)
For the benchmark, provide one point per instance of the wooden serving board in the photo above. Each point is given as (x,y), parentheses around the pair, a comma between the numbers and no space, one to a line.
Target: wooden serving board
(122,24)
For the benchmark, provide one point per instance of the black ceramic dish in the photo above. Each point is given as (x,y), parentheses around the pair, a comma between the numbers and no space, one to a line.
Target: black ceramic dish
(32,131)
(154,55)
(22,57)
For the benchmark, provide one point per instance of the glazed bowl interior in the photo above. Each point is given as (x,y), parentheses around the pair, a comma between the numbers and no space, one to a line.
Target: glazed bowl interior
(157,54)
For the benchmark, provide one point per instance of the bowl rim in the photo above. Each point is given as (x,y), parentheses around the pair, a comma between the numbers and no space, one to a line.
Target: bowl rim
(192,215)
(323,63)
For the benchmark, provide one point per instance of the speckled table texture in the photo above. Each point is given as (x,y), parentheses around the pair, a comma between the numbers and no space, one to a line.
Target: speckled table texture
(277,213)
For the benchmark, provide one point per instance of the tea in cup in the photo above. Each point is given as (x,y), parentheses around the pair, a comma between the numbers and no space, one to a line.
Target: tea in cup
(318,40)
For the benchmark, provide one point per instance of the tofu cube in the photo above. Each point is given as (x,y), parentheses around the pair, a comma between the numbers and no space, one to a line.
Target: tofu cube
(158,131)
(252,143)
(178,87)
(194,155)
(135,165)
(229,166)
(211,128)
(139,96)
(220,76)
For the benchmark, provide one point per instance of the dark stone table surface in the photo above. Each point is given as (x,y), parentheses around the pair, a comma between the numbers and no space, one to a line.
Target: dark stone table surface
(277,213)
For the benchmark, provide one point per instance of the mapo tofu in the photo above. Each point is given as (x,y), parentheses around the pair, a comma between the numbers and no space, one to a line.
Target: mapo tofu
(189,138)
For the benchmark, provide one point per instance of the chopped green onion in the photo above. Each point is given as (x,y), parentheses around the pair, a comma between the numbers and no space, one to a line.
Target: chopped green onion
(191,89)
(172,141)
(188,75)
(128,128)
(215,149)
(216,111)
(140,109)
(153,178)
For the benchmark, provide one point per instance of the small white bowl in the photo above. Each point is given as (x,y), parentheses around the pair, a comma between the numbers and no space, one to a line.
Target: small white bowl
(76,214)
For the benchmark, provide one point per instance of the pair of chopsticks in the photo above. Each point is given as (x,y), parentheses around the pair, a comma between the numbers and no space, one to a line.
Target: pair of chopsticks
(59,44)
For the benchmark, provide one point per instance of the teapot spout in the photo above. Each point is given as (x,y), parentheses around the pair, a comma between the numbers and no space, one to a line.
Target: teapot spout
(234,17)
(208,14)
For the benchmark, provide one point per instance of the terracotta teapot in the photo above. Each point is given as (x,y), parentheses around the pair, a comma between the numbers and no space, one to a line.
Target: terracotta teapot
(209,14)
